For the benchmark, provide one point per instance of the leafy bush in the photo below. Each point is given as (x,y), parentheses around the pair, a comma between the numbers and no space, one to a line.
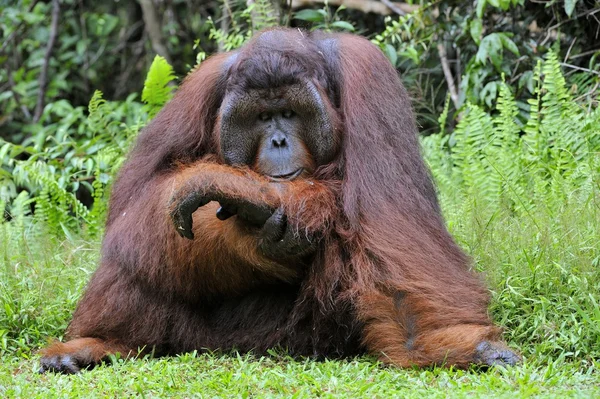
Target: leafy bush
(485,43)
(552,159)
(65,180)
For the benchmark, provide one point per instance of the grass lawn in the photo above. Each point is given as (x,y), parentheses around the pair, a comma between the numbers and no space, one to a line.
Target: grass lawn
(543,271)
(209,376)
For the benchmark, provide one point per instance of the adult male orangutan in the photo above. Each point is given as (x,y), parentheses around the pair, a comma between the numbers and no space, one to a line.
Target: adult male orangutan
(280,200)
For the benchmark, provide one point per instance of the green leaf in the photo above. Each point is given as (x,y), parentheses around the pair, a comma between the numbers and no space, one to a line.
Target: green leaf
(489,93)
(4,150)
(6,95)
(504,4)
(67,232)
(391,53)
(311,15)
(110,24)
(156,87)
(508,44)
(570,6)
(480,8)
(343,25)
(490,47)
(81,47)
(476,28)
(527,80)
(32,18)
(411,53)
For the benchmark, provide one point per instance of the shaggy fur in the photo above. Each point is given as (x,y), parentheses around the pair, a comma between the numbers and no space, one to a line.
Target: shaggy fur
(386,278)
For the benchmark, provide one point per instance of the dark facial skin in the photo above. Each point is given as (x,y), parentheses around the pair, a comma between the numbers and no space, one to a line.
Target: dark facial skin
(282,133)
(281,153)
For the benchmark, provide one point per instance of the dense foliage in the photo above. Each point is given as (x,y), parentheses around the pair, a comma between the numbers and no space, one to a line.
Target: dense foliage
(109,46)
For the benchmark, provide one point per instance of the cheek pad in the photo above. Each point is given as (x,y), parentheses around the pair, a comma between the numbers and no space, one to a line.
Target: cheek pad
(317,130)
(238,139)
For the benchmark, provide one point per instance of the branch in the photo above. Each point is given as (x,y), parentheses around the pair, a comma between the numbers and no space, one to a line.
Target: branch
(448,75)
(152,25)
(578,68)
(124,41)
(377,7)
(43,81)
(393,7)
(137,50)
(585,53)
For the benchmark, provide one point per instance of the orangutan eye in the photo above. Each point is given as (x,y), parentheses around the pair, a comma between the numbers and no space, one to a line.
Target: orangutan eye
(264,116)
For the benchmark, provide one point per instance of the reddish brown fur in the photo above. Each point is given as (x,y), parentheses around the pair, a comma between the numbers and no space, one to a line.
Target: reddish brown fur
(387,278)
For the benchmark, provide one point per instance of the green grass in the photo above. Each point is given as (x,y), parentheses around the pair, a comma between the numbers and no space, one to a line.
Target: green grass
(543,270)
(230,376)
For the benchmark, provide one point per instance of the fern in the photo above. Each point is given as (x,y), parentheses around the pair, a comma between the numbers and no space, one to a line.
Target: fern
(506,130)
(262,15)
(534,146)
(444,115)
(231,40)
(95,105)
(55,203)
(52,175)
(20,211)
(440,163)
(560,107)
(473,154)
(157,90)
(495,163)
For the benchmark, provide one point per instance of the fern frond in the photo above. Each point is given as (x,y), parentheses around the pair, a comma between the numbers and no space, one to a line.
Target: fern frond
(157,90)
(262,15)
(54,204)
(96,102)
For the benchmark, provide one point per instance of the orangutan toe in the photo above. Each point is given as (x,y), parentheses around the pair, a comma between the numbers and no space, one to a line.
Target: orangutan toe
(65,364)
(495,353)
